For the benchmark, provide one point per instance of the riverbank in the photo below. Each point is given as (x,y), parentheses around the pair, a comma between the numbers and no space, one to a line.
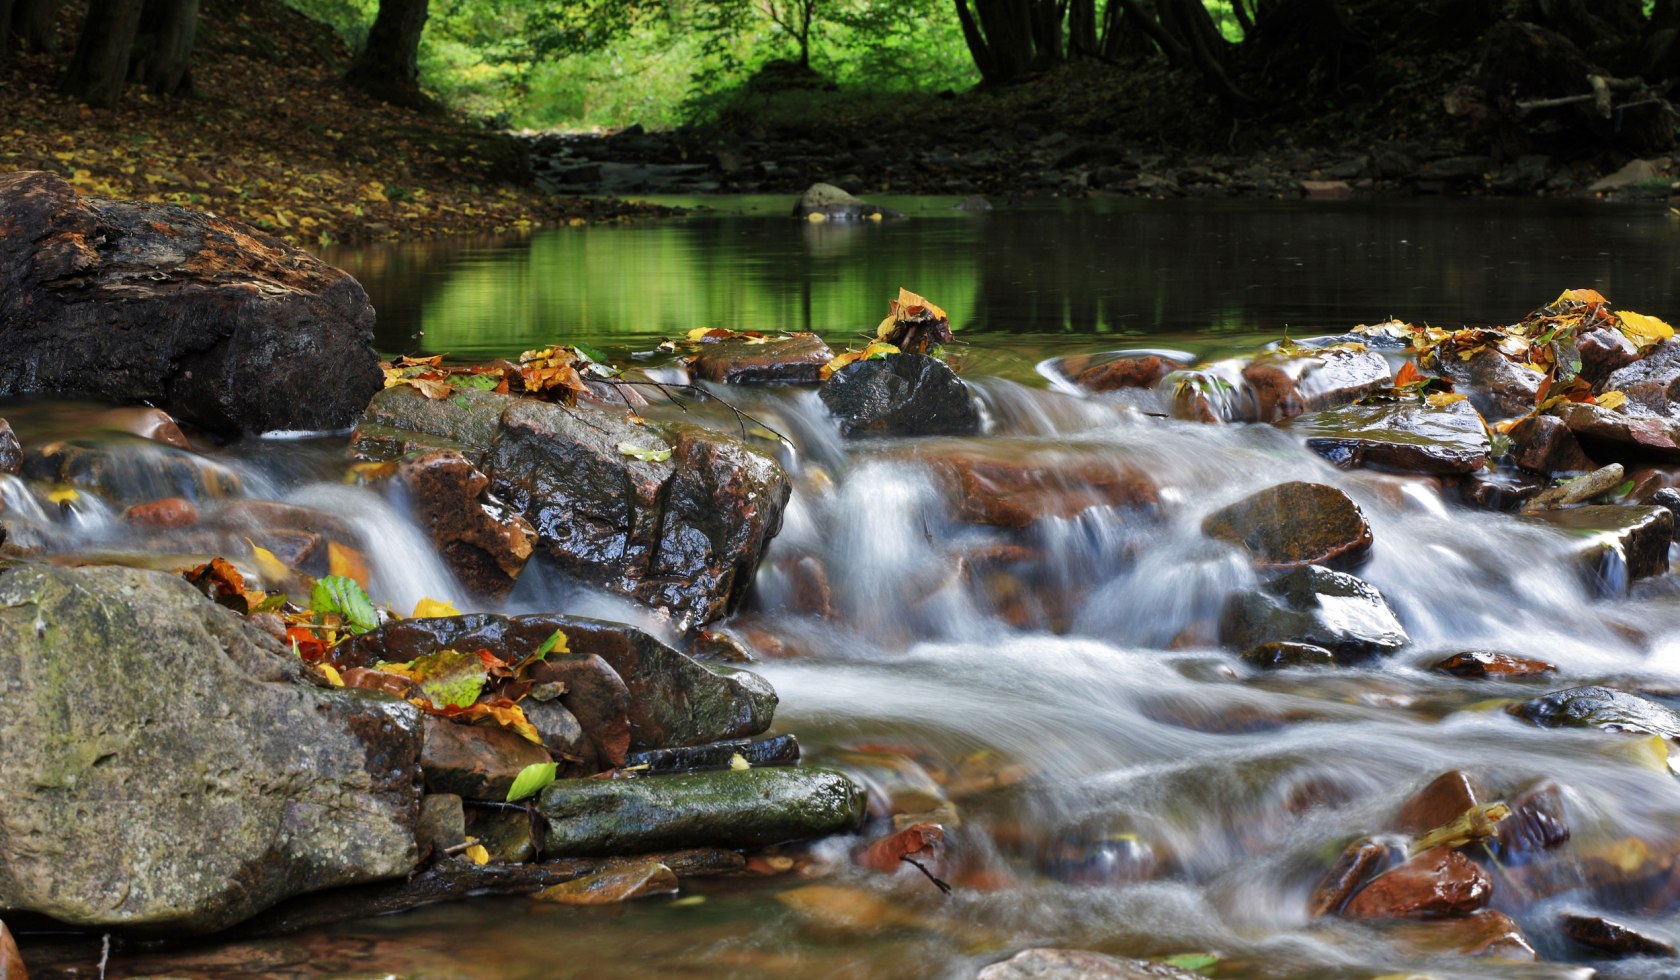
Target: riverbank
(275,138)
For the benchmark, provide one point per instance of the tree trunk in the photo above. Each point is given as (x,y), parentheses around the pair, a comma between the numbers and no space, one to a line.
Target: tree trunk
(389,66)
(167,29)
(1009,38)
(5,31)
(1082,29)
(977,48)
(36,23)
(100,66)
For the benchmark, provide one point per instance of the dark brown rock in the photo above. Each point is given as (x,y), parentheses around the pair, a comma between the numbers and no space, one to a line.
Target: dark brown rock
(130,470)
(596,697)
(507,835)
(1484,664)
(798,359)
(1295,524)
(1439,883)
(1604,936)
(11,452)
(217,323)
(1012,483)
(1497,386)
(168,512)
(143,421)
(1273,656)
(1603,352)
(1612,435)
(1504,490)
(1653,381)
(11,961)
(474,762)
(1361,861)
(485,544)
(1400,438)
(1100,373)
(1537,823)
(1544,444)
(1284,385)
(1482,933)
(1441,802)
(1615,546)
(441,825)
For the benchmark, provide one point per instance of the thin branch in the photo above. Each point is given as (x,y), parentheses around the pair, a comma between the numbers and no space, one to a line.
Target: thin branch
(919,866)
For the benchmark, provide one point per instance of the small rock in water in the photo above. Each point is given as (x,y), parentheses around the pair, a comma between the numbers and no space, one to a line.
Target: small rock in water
(1599,707)
(11,452)
(1481,933)
(1502,490)
(1497,386)
(1577,491)
(1285,385)
(622,882)
(1537,823)
(1439,883)
(1544,444)
(168,512)
(1399,438)
(1439,803)
(1295,524)
(797,359)
(1605,936)
(1483,664)
(1614,546)
(1315,605)
(1121,369)
(900,395)
(1079,964)
(1273,656)
(1361,861)
(827,202)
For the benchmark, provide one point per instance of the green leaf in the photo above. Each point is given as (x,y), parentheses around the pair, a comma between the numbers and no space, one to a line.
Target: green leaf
(557,641)
(1194,962)
(448,678)
(531,780)
(645,455)
(461,402)
(592,353)
(483,382)
(339,594)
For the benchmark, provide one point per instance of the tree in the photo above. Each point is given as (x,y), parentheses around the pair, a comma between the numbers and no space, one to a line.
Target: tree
(100,65)
(1009,38)
(388,67)
(163,50)
(35,22)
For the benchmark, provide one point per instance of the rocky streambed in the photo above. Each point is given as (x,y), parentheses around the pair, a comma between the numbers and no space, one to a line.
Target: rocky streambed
(241,697)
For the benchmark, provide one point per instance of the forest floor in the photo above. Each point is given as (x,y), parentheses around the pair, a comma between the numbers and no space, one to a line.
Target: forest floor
(274,137)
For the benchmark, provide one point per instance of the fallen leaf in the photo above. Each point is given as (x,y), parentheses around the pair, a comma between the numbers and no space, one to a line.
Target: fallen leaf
(348,562)
(644,454)
(621,882)
(1643,330)
(923,841)
(428,608)
(531,780)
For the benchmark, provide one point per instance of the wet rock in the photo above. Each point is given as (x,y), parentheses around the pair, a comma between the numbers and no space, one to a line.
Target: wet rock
(474,761)
(1486,665)
(1014,483)
(1399,438)
(1615,546)
(1653,381)
(685,534)
(442,824)
(720,809)
(1503,490)
(1313,605)
(130,470)
(508,836)
(1606,434)
(143,421)
(1078,964)
(1275,656)
(1497,386)
(1667,498)
(11,961)
(783,750)
(485,543)
(1441,802)
(1537,823)
(1295,524)
(1577,491)
(1123,369)
(834,204)
(219,324)
(1599,707)
(1481,933)
(673,699)
(1544,444)
(900,395)
(400,420)
(1602,935)
(1603,352)
(129,803)
(796,360)
(1284,385)
(11,452)
(168,512)
(1362,860)
(1439,883)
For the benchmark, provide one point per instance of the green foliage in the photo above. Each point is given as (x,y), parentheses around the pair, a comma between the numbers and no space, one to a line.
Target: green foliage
(338,594)
(531,780)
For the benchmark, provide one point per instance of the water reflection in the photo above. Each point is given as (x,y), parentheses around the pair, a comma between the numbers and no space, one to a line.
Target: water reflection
(1208,275)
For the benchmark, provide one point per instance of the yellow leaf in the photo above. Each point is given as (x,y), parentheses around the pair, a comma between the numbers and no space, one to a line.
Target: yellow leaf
(739,762)
(428,608)
(272,569)
(886,327)
(347,562)
(332,675)
(1643,330)
(1581,296)
(477,854)
(876,349)
(1611,399)
(1441,399)
(63,495)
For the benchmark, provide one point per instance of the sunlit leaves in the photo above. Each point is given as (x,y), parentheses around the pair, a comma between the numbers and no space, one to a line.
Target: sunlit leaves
(447,678)
(429,608)
(643,453)
(341,595)
(1644,330)
(531,780)
(874,351)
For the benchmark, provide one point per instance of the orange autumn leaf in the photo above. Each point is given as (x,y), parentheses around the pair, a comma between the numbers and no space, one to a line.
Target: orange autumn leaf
(1408,374)
(922,841)
(348,562)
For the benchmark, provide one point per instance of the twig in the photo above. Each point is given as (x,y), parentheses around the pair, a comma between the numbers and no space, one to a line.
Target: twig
(919,866)
(104,954)
(741,418)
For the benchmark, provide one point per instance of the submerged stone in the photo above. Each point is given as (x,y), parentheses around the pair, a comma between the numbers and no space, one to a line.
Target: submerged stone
(1295,524)
(1436,884)
(900,395)
(1614,546)
(1100,373)
(1401,438)
(1015,483)
(1611,938)
(131,470)
(1537,823)
(1485,664)
(1481,933)
(748,808)
(1439,803)
(167,766)
(1599,707)
(797,359)
(1274,656)
(1314,605)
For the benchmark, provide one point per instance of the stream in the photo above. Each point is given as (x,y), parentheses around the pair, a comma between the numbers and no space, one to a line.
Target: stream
(1112,779)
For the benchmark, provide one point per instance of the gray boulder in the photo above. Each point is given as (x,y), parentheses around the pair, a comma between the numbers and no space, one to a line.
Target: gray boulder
(167,769)
(900,395)
(1339,612)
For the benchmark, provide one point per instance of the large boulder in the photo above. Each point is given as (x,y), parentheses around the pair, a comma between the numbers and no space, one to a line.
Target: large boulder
(683,533)
(1285,383)
(1294,524)
(223,326)
(900,395)
(167,769)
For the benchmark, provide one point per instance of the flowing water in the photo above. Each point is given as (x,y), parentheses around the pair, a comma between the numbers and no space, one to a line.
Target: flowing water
(1050,689)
